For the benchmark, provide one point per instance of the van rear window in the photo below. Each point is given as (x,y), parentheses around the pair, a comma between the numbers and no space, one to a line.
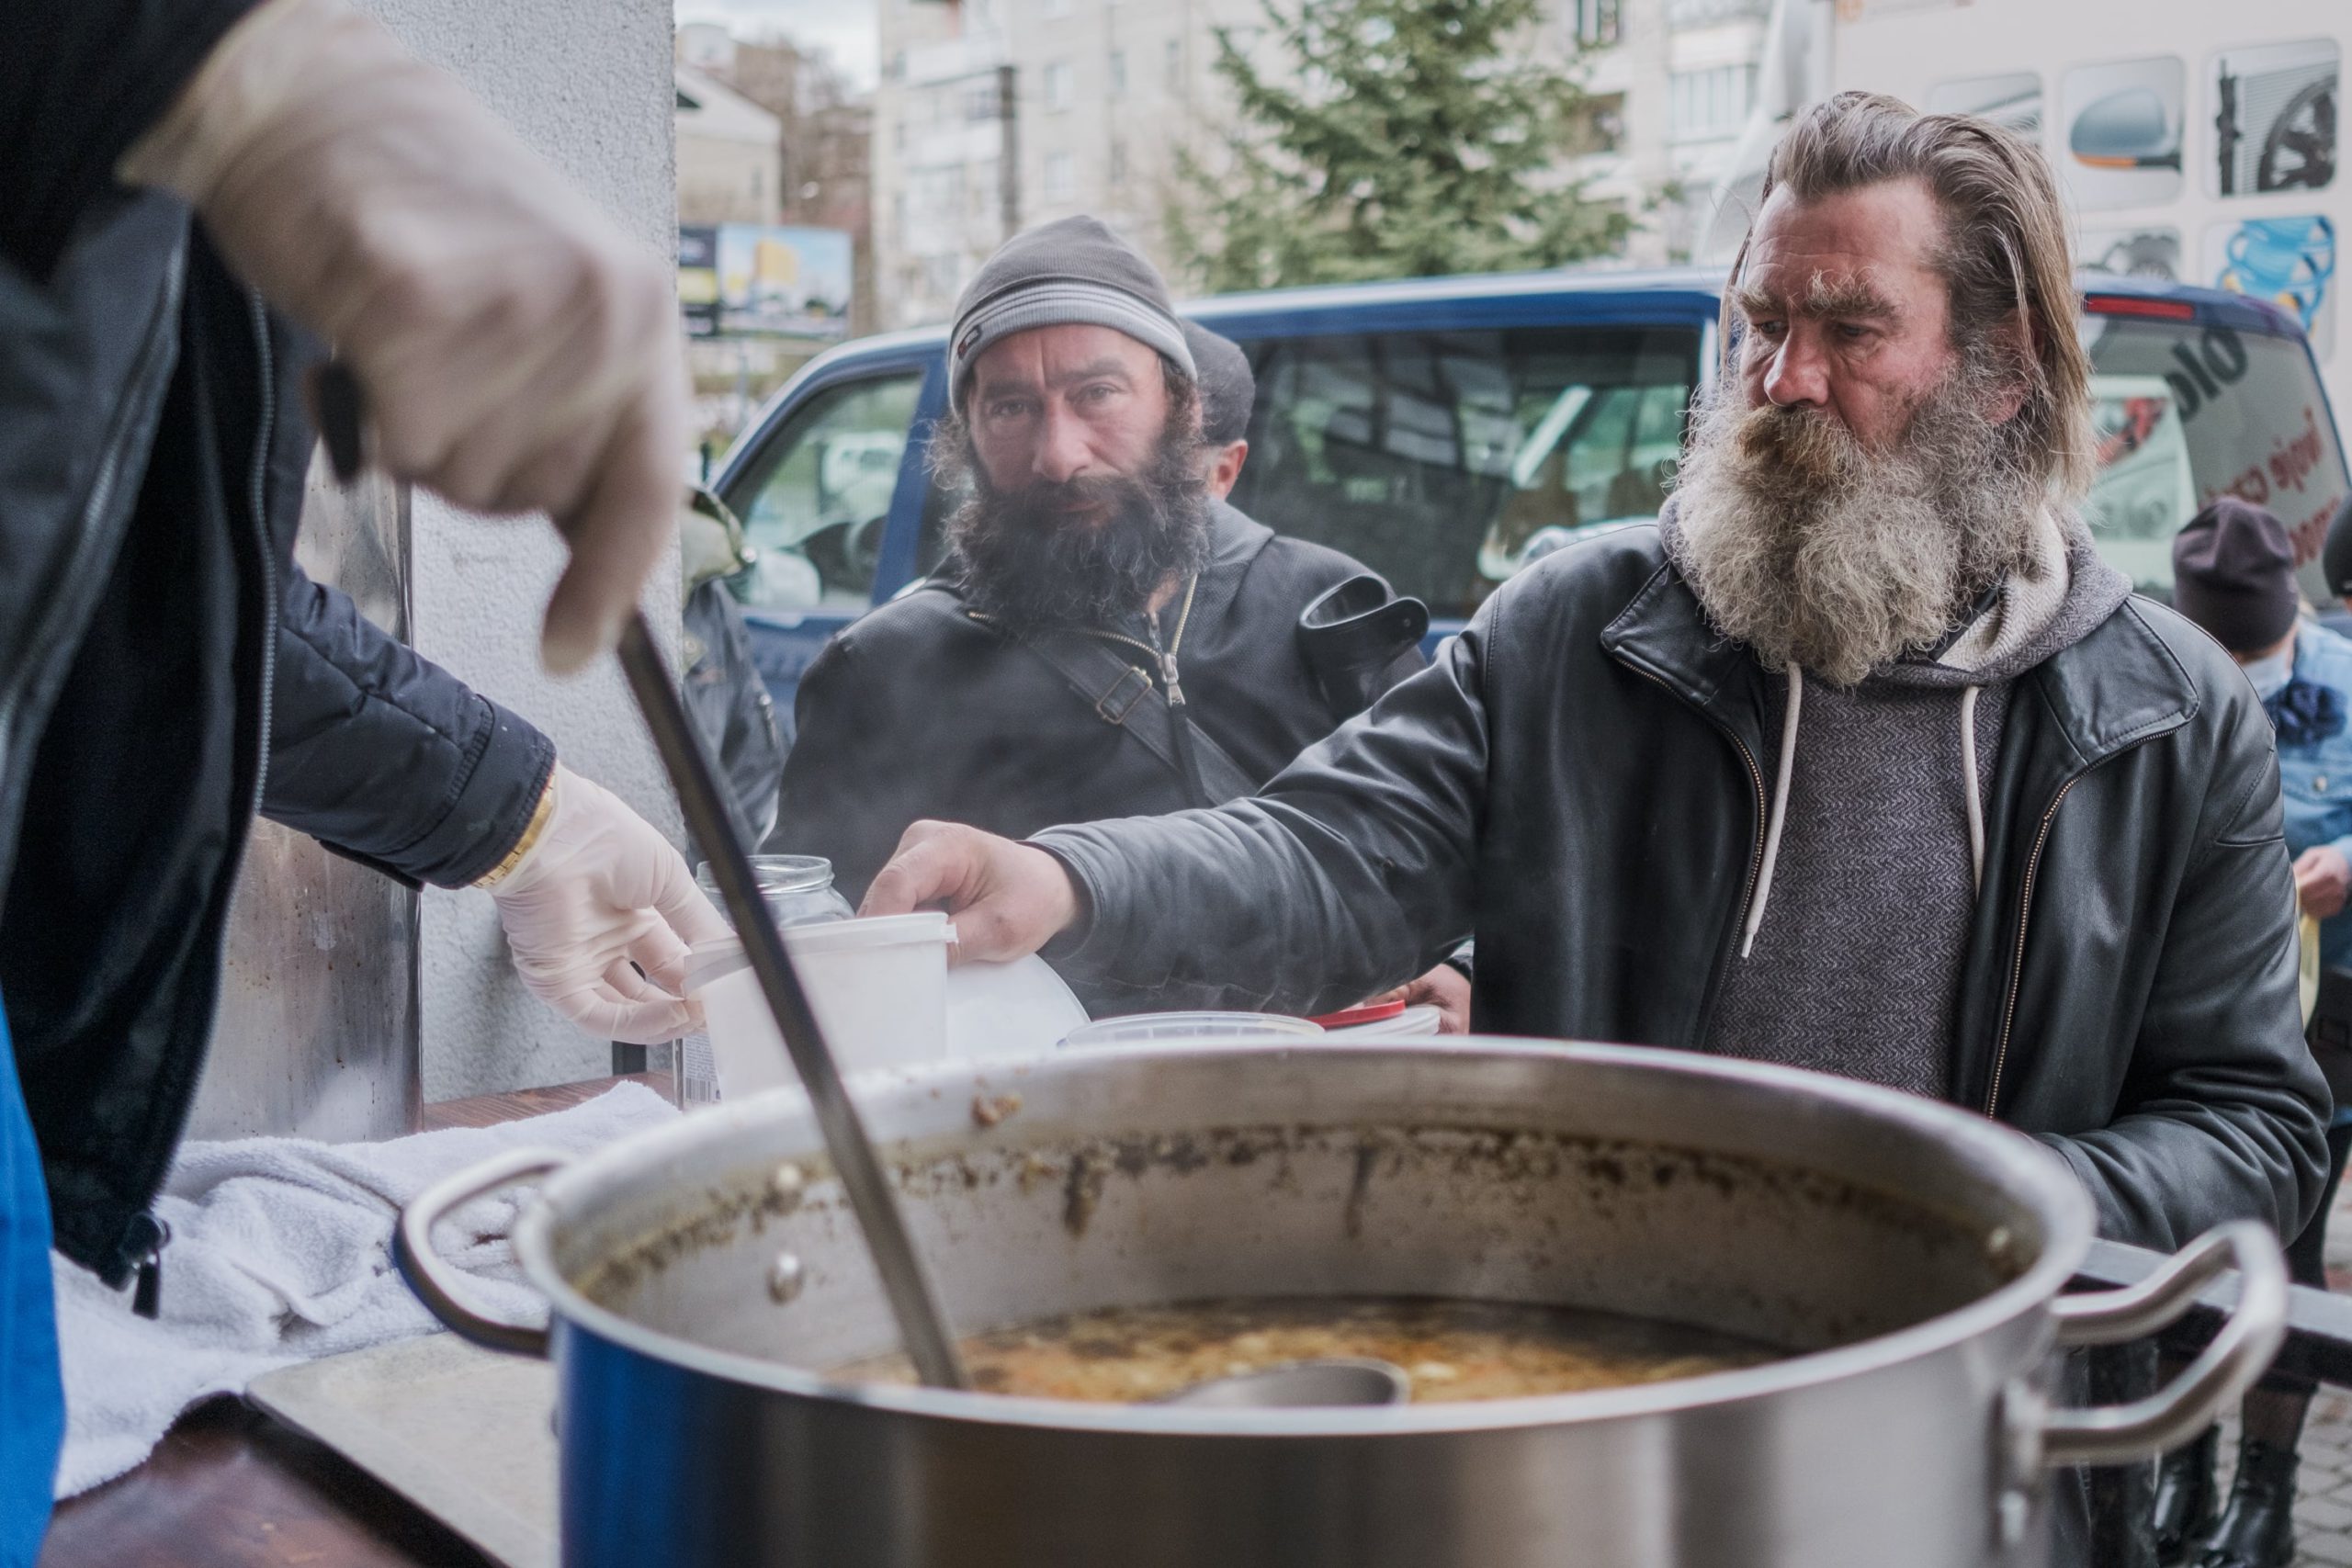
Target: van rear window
(2185,413)
(1443,460)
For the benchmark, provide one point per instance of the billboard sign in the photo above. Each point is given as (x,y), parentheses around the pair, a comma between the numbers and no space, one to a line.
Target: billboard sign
(775,279)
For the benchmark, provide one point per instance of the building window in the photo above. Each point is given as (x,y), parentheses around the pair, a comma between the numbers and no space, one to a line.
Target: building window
(1118,169)
(1061,85)
(1710,104)
(1175,64)
(1061,177)
(1598,22)
(1116,73)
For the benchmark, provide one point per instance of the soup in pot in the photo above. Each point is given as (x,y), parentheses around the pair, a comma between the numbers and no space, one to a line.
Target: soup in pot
(1450,1349)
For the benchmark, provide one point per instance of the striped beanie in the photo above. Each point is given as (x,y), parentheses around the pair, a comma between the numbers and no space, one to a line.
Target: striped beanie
(1072,271)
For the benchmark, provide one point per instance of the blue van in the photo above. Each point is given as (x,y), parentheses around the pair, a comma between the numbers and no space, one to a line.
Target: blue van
(1447,431)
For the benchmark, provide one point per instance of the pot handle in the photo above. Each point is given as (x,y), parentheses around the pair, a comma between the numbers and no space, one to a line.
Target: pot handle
(432,1280)
(2241,1352)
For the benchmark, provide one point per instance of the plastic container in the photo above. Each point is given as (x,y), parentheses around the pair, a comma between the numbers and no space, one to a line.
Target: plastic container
(1147,1028)
(1420,1018)
(879,989)
(1008,1010)
(798,890)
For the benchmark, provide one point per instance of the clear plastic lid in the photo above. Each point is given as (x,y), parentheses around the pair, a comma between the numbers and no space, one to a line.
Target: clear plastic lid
(1137,1029)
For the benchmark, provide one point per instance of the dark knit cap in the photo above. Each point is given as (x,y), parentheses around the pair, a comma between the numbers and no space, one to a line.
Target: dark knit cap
(1228,390)
(2335,555)
(2233,573)
(1073,271)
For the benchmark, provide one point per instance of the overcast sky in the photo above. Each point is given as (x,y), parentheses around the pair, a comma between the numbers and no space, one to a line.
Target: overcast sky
(843,29)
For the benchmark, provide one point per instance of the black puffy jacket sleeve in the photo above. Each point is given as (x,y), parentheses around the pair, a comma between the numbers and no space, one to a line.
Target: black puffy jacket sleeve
(384,756)
(79,82)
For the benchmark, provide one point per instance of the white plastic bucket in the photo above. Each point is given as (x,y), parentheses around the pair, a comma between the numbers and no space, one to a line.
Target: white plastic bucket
(878,987)
(1149,1028)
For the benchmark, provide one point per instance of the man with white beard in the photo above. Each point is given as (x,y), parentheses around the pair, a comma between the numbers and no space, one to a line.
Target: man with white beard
(1860,761)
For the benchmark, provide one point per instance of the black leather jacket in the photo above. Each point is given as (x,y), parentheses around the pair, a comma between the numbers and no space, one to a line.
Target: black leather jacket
(921,710)
(166,671)
(1578,783)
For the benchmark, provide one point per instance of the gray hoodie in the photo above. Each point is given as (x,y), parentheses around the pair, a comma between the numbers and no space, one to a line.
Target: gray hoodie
(1850,956)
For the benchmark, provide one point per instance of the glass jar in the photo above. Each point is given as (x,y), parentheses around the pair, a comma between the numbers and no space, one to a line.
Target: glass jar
(798,891)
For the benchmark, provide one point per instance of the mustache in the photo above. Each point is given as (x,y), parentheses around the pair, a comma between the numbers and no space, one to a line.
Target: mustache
(1048,499)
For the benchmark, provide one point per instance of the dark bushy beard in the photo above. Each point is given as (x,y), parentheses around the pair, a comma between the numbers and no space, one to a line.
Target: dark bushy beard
(1024,564)
(1809,548)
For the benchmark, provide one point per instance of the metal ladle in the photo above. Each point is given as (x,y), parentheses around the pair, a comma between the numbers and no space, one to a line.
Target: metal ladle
(906,1282)
(923,1327)
(1325,1381)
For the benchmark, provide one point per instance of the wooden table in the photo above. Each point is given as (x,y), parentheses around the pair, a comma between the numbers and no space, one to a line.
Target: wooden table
(230,1488)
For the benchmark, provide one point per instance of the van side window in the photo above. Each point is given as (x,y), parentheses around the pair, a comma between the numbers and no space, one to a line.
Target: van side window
(1446,460)
(814,500)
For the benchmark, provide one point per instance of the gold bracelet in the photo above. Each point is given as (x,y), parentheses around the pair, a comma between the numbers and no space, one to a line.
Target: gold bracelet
(539,817)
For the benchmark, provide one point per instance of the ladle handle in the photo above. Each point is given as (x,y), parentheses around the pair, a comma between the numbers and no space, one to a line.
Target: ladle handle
(432,1280)
(923,1326)
(2125,1434)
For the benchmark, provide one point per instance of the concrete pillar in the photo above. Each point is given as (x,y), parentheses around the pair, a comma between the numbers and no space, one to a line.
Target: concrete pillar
(588,84)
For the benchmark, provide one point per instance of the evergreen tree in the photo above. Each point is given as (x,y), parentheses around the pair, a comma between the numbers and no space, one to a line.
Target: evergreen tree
(1403,139)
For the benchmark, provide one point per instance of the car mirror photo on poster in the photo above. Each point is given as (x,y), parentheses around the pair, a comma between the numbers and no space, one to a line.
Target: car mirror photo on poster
(2130,134)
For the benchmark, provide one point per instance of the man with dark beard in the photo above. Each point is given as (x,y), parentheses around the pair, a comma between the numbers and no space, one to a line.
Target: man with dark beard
(1105,639)
(1860,761)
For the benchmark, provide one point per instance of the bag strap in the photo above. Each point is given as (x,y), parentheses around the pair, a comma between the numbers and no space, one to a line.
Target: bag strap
(1122,695)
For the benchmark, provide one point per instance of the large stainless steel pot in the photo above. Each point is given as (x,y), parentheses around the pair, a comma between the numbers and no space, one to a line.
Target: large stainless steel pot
(700,1274)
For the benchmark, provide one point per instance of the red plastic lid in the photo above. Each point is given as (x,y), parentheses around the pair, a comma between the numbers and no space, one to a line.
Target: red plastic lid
(1371,1013)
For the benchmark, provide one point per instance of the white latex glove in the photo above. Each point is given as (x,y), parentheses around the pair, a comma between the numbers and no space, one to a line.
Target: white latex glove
(598,891)
(518,352)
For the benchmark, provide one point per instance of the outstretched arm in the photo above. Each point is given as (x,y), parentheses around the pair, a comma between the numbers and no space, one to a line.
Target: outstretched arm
(1349,873)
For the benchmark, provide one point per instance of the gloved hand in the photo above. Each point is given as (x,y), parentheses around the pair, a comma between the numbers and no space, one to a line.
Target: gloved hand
(518,352)
(596,890)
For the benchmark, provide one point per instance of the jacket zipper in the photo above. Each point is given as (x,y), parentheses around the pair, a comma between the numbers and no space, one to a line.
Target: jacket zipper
(259,497)
(147,1290)
(1164,661)
(2017,961)
(1756,850)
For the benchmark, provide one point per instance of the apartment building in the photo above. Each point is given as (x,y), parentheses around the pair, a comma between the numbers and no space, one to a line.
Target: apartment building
(994,115)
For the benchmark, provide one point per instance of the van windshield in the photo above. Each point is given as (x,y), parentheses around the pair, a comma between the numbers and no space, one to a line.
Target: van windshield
(2187,413)
(1446,460)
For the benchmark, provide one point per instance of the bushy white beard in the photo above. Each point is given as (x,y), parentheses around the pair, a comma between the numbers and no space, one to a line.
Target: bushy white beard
(1808,547)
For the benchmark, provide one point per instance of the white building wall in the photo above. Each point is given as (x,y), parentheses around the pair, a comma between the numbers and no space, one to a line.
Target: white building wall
(589,86)
(1099,138)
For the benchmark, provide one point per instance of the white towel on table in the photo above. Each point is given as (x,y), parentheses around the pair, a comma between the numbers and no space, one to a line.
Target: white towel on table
(281,1252)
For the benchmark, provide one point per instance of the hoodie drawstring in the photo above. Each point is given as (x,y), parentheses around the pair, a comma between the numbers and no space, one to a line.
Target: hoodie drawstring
(1970,793)
(1780,808)
(1969,786)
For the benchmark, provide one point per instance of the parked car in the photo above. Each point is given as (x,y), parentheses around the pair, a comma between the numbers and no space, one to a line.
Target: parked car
(1447,431)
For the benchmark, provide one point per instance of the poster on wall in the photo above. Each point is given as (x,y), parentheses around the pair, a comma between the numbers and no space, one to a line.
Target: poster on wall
(2012,99)
(2124,124)
(698,278)
(2291,262)
(778,279)
(2152,253)
(2274,118)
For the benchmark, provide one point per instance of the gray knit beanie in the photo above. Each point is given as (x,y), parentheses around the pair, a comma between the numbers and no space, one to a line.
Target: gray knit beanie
(1071,271)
